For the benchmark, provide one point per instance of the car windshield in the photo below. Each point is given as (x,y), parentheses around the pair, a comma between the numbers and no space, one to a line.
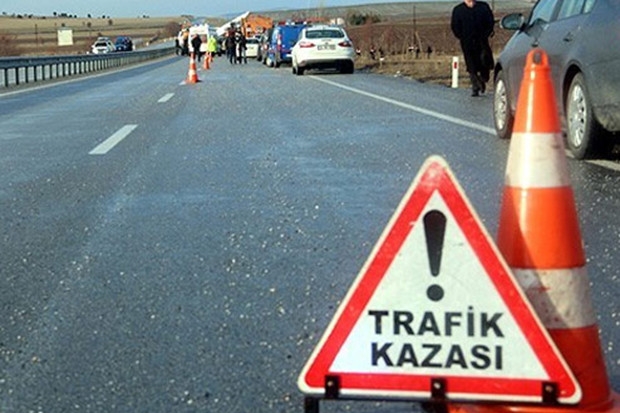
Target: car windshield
(324,34)
(101,44)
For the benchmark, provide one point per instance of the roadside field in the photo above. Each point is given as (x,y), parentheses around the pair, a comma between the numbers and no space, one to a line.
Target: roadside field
(39,35)
(399,39)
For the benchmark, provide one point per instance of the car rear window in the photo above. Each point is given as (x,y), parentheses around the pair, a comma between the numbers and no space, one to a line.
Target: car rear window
(324,34)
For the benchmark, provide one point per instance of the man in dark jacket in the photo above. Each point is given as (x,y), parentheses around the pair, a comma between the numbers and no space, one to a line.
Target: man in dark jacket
(196,42)
(472,23)
(231,46)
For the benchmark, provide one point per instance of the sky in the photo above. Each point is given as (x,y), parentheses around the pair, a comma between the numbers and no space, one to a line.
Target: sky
(160,8)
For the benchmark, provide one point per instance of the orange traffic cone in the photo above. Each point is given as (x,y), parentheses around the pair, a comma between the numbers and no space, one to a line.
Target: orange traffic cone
(207,63)
(192,74)
(540,239)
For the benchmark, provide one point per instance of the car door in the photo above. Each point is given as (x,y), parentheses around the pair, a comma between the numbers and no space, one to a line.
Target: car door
(560,41)
(601,60)
(525,40)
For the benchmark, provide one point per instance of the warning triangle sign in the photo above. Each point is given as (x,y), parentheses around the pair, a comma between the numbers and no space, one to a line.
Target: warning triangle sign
(435,311)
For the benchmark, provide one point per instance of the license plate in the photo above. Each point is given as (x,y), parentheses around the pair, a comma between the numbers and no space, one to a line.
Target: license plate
(326,47)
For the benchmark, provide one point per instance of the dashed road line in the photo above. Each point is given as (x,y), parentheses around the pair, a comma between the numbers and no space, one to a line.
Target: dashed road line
(165,98)
(105,146)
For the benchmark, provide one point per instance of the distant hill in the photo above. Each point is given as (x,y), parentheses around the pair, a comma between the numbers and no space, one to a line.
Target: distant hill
(389,11)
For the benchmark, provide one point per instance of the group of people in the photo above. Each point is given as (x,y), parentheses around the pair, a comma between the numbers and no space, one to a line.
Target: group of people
(472,23)
(199,47)
(235,44)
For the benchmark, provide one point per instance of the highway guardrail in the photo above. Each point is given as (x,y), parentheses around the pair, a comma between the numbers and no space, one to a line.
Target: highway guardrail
(19,70)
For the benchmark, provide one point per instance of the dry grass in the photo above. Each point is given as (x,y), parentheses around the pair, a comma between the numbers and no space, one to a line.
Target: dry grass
(396,36)
(436,69)
(38,35)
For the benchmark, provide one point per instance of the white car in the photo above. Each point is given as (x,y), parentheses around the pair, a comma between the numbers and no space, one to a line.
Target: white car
(322,47)
(251,47)
(103,45)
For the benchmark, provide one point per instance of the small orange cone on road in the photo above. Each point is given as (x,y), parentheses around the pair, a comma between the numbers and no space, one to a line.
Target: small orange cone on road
(540,239)
(192,74)
(206,64)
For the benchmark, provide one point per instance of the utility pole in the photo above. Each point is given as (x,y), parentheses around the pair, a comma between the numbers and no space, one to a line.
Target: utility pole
(320,8)
(413,32)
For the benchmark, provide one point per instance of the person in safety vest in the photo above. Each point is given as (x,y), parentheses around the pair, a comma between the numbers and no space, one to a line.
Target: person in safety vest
(211,47)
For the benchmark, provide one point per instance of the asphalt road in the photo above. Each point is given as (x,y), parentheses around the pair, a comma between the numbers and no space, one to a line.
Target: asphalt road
(171,247)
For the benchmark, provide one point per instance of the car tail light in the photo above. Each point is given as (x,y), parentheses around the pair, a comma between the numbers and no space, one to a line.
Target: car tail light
(279,42)
(345,43)
(305,44)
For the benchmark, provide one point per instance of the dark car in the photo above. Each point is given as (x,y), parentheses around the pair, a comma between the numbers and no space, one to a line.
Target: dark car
(578,37)
(123,44)
(282,40)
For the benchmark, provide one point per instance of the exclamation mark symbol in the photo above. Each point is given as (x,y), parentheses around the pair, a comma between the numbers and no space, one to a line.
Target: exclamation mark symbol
(435,230)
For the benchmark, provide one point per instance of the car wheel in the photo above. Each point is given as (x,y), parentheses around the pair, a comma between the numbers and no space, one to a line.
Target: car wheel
(584,136)
(300,71)
(503,119)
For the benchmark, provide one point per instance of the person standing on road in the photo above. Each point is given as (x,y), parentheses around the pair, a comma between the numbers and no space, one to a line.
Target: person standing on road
(185,43)
(196,43)
(203,47)
(472,23)
(241,48)
(211,47)
(231,47)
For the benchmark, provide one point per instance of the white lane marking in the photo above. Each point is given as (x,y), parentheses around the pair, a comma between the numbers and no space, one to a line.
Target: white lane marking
(418,109)
(113,140)
(165,98)
(605,164)
(600,162)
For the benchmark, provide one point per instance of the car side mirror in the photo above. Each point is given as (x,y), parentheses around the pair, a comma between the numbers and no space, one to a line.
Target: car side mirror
(513,21)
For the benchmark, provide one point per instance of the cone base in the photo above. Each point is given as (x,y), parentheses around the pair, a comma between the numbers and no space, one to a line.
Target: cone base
(610,406)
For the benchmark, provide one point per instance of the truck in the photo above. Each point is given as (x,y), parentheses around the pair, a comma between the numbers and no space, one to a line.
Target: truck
(253,25)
